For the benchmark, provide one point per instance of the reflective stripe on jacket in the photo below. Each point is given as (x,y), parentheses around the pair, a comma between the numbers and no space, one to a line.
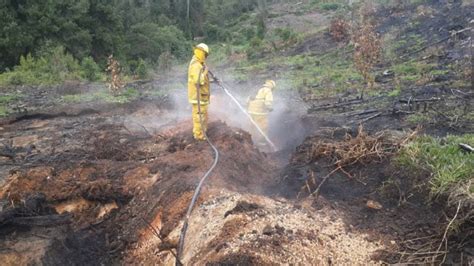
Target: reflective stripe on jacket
(198,73)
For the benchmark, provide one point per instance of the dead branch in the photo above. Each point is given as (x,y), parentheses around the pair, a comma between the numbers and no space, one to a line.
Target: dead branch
(158,235)
(335,105)
(411,100)
(444,239)
(363,112)
(316,192)
(370,117)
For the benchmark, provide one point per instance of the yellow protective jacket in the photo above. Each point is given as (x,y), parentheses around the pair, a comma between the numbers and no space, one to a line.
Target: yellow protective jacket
(198,76)
(262,103)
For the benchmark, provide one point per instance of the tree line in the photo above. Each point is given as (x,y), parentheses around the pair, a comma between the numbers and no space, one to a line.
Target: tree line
(131,30)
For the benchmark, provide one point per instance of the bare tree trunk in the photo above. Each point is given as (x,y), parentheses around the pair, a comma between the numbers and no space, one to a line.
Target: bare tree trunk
(187,10)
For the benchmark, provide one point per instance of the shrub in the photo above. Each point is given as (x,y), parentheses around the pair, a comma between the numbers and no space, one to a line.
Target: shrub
(90,69)
(339,30)
(287,36)
(330,6)
(52,66)
(255,47)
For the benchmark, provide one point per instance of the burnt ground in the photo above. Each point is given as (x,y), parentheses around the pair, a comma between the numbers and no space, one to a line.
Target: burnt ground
(80,187)
(79,183)
(109,175)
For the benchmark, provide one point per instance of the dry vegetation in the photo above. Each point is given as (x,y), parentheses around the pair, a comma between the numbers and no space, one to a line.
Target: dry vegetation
(367,47)
(114,69)
(339,30)
(361,149)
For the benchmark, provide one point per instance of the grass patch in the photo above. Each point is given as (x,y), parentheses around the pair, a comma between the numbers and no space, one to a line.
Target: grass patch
(329,74)
(397,90)
(439,72)
(418,118)
(4,101)
(412,70)
(324,75)
(3,110)
(447,165)
(329,6)
(126,96)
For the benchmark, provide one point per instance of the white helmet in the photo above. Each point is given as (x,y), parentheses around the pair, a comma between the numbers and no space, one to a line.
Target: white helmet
(203,47)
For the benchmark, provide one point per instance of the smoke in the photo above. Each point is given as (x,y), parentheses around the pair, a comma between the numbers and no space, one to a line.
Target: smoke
(286,129)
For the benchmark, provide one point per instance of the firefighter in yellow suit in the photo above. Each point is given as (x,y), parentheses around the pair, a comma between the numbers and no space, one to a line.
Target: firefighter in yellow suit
(260,106)
(198,90)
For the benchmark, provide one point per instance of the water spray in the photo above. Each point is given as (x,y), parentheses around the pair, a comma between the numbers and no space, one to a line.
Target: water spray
(220,83)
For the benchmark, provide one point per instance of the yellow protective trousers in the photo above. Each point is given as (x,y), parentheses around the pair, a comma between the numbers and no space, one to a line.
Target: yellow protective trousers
(262,122)
(198,129)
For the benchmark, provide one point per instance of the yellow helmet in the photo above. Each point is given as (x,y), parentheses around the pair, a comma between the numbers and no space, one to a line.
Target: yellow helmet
(270,83)
(203,47)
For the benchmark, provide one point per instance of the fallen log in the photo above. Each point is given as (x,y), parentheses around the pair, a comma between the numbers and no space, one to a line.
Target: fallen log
(466,147)
(359,113)
(42,221)
(336,105)
(370,117)
(413,100)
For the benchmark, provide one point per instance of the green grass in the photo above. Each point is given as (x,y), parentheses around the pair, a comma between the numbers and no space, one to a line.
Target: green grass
(3,110)
(126,96)
(439,72)
(331,73)
(418,118)
(412,71)
(5,100)
(397,90)
(447,165)
(328,5)
(327,74)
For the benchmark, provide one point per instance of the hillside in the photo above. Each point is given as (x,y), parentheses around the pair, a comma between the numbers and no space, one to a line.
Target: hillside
(373,122)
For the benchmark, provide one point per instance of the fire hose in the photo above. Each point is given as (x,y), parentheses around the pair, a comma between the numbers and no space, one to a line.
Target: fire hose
(216,159)
(203,178)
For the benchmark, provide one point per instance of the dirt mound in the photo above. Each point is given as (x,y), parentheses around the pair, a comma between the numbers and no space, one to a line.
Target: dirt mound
(122,180)
(276,231)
